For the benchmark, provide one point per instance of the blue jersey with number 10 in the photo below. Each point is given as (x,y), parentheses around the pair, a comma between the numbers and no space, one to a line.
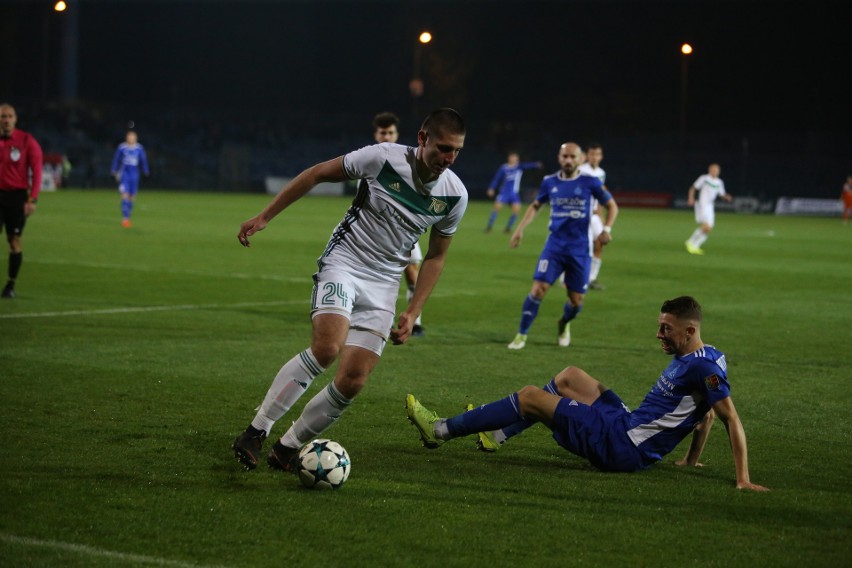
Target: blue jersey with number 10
(571,210)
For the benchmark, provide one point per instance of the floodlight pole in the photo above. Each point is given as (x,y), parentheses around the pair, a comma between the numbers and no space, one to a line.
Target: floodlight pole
(686,51)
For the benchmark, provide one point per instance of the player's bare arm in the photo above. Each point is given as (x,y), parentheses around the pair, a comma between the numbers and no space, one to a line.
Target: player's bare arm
(690,198)
(727,413)
(430,272)
(330,171)
(699,438)
(611,214)
(528,217)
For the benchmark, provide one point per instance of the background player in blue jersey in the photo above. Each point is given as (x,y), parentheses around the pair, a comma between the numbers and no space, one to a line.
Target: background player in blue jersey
(591,421)
(568,249)
(126,164)
(507,186)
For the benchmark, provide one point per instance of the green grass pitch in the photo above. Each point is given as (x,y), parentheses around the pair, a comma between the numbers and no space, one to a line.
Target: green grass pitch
(132,358)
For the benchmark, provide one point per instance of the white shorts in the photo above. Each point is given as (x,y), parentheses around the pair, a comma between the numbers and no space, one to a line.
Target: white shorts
(369,305)
(705,215)
(596,226)
(416,255)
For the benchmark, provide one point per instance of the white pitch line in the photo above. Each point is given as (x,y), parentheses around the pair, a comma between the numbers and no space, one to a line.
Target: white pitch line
(143,309)
(180,272)
(140,559)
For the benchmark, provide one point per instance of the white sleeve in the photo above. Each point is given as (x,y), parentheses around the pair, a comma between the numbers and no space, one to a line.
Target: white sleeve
(365,162)
(450,224)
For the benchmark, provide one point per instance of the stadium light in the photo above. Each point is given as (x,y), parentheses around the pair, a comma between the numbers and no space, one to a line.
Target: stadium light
(60,6)
(686,51)
(416,86)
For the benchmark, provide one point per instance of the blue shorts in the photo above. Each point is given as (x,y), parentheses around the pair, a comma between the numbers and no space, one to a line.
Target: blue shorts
(576,268)
(129,183)
(509,198)
(598,433)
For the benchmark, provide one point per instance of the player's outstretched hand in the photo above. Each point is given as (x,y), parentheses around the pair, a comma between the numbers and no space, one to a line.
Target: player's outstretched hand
(249,228)
(516,239)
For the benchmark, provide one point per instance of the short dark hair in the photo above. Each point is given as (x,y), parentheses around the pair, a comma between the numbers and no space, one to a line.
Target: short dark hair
(444,120)
(594,146)
(683,307)
(385,120)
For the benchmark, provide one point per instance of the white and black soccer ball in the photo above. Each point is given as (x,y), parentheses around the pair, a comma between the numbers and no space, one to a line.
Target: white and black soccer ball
(324,464)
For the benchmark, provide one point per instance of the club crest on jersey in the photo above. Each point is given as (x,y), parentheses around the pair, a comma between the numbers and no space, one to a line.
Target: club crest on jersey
(712,382)
(15,154)
(437,206)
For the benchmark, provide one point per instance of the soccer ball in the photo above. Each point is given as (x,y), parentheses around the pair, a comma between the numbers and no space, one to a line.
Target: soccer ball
(324,464)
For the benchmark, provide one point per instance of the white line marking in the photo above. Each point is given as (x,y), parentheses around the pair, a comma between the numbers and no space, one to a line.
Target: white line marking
(92,551)
(143,268)
(142,309)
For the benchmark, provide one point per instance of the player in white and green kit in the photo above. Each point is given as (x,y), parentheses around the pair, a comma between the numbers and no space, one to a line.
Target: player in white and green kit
(409,190)
(709,186)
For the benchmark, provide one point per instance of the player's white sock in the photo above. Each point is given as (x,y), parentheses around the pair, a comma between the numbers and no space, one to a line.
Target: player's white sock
(289,385)
(596,268)
(440,429)
(321,412)
(693,239)
(700,239)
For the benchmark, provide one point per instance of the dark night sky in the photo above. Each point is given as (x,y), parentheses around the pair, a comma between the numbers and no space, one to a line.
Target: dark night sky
(757,65)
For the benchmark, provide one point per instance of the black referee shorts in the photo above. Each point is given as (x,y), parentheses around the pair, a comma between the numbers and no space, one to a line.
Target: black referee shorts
(12,211)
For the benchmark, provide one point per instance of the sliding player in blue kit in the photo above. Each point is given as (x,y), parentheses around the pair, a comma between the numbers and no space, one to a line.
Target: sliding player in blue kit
(129,158)
(568,249)
(590,420)
(507,186)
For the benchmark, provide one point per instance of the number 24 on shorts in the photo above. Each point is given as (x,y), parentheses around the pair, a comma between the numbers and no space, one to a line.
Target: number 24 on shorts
(334,292)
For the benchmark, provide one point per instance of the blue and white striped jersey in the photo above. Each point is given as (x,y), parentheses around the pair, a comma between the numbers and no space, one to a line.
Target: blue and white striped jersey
(683,394)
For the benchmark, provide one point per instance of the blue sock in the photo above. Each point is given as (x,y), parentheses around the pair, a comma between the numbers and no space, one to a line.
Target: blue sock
(511,222)
(491,416)
(125,208)
(528,314)
(523,424)
(492,219)
(570,312)
(129,207)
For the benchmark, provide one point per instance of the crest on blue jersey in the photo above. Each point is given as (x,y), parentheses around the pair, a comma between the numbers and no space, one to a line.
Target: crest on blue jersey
(712,382)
